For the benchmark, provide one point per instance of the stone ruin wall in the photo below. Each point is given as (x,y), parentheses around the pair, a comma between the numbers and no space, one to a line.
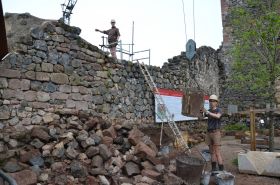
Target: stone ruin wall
(68,111)
(52,72)
(229,97)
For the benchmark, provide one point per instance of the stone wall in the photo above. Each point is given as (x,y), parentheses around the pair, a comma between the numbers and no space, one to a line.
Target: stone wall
(52,71)
(228,96)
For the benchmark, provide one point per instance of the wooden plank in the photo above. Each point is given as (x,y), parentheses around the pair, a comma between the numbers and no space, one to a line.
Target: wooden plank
(192,103)
(261,111)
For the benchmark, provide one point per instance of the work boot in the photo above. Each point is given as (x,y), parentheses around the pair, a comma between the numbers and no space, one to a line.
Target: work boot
(221,167)
(214,166)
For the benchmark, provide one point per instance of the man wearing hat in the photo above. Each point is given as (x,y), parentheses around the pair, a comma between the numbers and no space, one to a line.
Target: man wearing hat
(213,137)
(113,37)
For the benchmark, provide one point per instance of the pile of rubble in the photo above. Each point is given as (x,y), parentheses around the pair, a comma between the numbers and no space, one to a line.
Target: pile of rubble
(83,150)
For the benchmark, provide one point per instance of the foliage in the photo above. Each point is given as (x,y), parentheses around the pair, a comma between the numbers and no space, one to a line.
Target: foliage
(236,127)
(256,51)
(235,161)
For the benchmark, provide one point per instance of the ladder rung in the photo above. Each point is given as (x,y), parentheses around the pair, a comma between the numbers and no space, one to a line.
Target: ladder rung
(158,98)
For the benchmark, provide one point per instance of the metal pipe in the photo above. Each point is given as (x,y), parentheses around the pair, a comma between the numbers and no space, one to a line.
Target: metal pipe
(121,50)
(142,51)
(141,58)
(7,178)
(149,56)
(132,51)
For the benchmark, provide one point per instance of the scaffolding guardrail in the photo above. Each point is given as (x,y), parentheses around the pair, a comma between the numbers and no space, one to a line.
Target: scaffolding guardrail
(129,52)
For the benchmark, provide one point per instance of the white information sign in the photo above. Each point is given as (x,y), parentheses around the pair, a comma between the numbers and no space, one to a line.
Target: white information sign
(173,101)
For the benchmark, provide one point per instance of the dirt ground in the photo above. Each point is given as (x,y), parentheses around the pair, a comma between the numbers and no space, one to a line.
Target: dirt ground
(230,148)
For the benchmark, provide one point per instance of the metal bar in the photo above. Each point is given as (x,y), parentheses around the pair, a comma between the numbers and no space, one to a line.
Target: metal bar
(149,56)
(132,51)
(3,38)
(141,51)
(7,178)
(121,50)
(141,58)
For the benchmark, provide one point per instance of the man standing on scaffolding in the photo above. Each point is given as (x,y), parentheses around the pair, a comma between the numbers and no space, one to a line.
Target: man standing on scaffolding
(113,37)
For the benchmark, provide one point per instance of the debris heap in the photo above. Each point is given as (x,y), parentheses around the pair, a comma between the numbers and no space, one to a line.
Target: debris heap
(83,150)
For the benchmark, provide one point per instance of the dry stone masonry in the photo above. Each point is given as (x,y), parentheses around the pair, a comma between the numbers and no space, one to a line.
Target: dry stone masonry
(68,111)
(53,71)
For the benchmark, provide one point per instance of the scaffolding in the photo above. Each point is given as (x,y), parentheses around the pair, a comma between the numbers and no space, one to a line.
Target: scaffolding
(127,49)
(67,10)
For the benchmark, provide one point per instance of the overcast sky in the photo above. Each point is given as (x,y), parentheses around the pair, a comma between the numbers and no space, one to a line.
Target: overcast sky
(158,24)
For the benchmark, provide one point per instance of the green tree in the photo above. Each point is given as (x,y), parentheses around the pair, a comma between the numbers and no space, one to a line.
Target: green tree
(256,51)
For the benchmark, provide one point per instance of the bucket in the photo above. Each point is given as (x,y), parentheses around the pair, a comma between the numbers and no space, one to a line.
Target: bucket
(164,150)
(225,179)
(189,169)
(206,154)
(205,178)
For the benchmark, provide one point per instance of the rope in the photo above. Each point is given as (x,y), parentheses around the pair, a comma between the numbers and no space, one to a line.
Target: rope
(185,20)
(193,23)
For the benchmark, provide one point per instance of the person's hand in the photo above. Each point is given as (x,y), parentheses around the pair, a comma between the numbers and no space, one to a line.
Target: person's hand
(203,110)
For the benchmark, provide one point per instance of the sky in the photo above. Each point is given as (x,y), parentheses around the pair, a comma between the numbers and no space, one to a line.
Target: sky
(161,26)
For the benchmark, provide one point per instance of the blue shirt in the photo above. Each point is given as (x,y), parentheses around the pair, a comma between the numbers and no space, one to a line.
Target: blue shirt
(214,123)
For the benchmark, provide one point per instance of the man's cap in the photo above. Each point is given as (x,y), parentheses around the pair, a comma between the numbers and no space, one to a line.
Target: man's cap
(213,97)
(113,20)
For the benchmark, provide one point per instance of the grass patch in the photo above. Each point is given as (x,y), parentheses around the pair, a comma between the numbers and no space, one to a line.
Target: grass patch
(236,127)
(235,162)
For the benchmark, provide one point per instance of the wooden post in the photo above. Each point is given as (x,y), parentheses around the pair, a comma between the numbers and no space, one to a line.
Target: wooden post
(271,132)
(252,129)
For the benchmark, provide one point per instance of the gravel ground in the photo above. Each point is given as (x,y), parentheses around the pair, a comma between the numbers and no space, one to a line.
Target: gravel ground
(230,149)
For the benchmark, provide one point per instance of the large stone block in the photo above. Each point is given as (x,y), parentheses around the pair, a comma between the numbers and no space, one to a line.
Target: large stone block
(102,74)
(58,38)
(135,136)
(10,73)
(25,84)
(30,95)
(41,76)
(81,105)
(43,97)
(65,88)
(144,150)
(76,96)
(8,93)
(59,96)
(59,78)
(30,75)
(25,177)
(40,45)
(4,112)
(3,83)
(70,103)
(131,168)
(260,163)
(19,84)
(39,105)
(47,67)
